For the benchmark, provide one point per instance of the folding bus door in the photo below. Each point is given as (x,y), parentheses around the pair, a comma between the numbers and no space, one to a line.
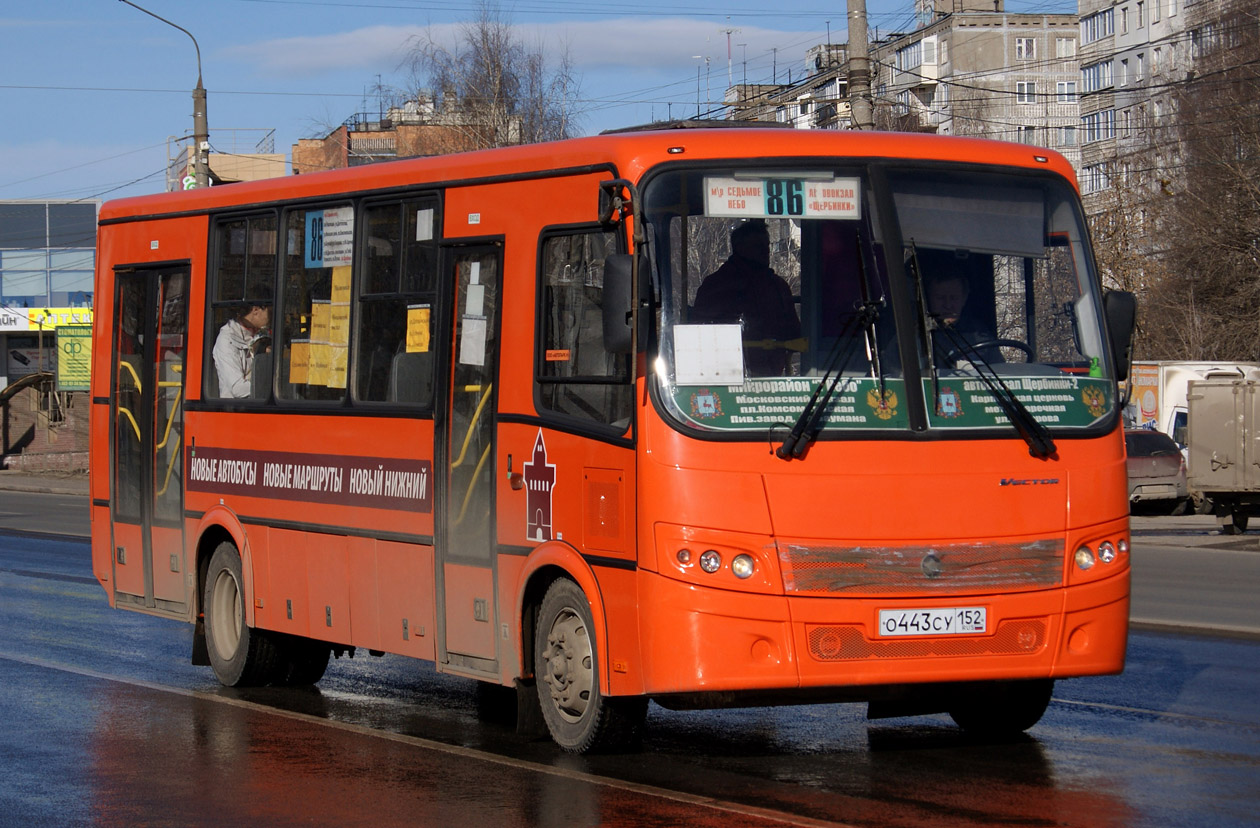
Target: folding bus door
(146,438)
(466,542)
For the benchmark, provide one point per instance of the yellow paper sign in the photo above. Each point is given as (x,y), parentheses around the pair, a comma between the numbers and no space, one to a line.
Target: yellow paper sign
(341,284)
(321,320)
(339,324)
(418,329)
(337,370)
(299,361)
(320,357)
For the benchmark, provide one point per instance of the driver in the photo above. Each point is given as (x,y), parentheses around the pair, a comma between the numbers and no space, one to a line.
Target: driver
(745,290)
(947,295)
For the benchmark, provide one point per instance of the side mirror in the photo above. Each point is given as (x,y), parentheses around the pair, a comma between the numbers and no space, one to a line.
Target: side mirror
(618,303)
(615,196)
(1120,306)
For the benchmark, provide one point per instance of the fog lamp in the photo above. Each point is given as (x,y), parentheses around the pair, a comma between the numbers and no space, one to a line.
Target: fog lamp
(743,566)
(710,561)
(1106,552)
(1084,558)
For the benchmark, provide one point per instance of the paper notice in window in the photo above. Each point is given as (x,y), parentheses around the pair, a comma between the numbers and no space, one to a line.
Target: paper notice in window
(317,373)
(708,355)
(321,320)
(339,324)
(299,361)
(418,329)
(337,366)
(424,224)
(321,353)
(476,301)
(341,285)
(472,342)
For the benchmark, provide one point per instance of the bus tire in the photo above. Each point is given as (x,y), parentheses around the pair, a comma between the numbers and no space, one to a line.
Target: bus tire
(566,664)
(1001,709)
(240,655)
(302,661)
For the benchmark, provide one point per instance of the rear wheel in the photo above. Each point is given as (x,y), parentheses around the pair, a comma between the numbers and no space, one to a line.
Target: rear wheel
(240,655)
(302,661)
(1233,522)
(566,664)
(1001,708)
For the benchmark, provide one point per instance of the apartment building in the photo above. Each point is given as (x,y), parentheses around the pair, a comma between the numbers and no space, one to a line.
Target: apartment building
(984,73)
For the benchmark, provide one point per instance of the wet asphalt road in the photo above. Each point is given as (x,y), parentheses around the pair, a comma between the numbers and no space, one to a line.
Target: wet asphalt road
(106,723)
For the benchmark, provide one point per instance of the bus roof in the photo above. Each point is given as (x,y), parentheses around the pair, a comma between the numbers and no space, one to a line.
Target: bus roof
(631,153)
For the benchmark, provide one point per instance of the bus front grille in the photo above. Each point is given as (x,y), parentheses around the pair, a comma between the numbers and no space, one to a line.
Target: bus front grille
(943,569)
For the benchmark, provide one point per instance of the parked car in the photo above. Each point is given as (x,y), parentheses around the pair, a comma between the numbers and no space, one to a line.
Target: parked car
(1157,473)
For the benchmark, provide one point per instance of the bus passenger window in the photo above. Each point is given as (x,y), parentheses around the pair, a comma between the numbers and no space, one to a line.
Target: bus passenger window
(311,359)
(240,313)
(396,303)
(241,350)
(576,376)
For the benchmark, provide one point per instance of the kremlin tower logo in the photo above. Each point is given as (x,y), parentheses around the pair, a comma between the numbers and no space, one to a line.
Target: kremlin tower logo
(540,479)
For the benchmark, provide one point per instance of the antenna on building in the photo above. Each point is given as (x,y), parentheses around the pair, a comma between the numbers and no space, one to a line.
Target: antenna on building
(730,81)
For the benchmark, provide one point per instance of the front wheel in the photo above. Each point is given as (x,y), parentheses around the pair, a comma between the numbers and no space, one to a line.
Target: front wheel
(240,655)
(566,665)
(1001,708)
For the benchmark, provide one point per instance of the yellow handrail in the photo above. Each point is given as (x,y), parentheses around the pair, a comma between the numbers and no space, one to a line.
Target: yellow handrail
(171,419)
(485,455)
(485,397)
(170,467)
(134,425)
(166,436)
(134,375)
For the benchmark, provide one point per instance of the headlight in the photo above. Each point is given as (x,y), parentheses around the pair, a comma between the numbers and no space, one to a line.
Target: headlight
(710,561)
(1106,552)
(1084,558)
(743,566)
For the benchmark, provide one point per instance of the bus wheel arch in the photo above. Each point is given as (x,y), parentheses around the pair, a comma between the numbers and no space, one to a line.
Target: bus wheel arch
(210,535)
(569,677)
(240,655)
(547,564)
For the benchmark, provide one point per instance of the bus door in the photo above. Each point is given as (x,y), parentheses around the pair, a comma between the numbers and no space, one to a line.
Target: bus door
(466,537)
(146,440)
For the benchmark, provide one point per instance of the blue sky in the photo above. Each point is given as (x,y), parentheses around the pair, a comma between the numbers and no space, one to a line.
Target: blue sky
(92,89)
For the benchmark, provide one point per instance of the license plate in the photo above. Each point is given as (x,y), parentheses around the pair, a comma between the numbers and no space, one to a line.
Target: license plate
(941,621)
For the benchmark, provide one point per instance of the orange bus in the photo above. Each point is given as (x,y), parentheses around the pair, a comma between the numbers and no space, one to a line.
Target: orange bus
(711,417)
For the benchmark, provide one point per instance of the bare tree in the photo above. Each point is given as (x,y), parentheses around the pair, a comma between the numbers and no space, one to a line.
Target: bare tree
(1206,303)
(492,87)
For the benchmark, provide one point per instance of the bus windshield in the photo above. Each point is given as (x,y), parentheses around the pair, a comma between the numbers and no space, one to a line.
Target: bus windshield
(966,296)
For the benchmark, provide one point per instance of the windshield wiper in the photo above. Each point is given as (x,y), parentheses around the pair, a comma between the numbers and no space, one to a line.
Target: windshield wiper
(809,422)
(1037,436)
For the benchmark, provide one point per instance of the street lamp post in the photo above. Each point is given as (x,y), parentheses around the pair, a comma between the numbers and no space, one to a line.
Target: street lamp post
(201,128)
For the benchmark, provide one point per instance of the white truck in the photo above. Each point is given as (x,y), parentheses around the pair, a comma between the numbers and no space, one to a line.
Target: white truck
(1224,463)
(1157,392)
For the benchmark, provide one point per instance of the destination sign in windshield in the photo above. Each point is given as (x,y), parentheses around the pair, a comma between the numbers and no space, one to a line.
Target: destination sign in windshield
(838,198)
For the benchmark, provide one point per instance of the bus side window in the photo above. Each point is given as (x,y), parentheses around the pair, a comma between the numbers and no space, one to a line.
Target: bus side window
(240,313)
(397,303)
(314,334)
(576,377)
